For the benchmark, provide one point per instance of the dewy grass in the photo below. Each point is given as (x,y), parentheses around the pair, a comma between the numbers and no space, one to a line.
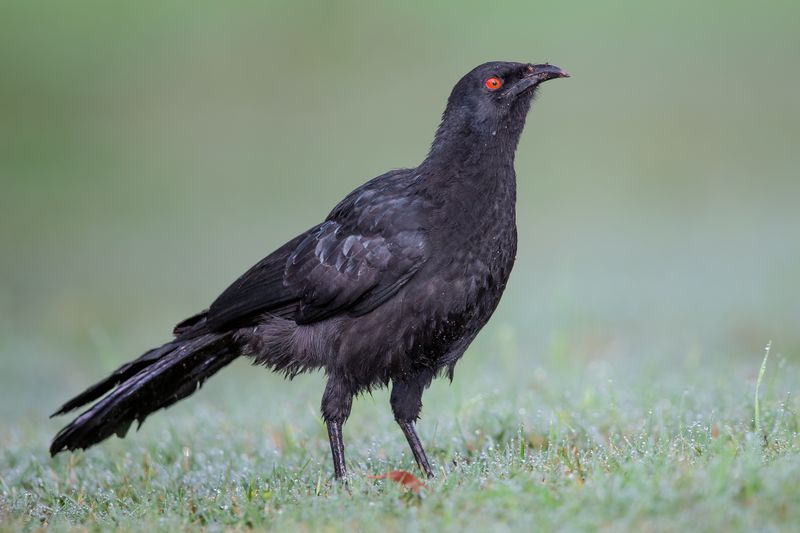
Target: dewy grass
(544,451)
(757,408)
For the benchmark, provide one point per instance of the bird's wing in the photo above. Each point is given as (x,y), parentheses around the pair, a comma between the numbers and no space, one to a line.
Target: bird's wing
(334,270)
(259,290)
(348,264)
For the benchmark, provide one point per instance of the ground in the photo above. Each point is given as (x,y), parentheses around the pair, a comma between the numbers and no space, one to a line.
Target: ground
(615,445)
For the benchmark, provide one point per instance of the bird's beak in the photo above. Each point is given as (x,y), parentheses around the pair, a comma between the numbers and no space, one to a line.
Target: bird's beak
(536,75)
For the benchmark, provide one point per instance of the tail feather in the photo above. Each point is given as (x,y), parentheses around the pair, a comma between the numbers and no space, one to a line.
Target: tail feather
(156,380)
(120,375)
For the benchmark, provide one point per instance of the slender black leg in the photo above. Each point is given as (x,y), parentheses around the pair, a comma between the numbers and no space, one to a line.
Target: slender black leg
(406,402)
(336,404)
(416,446)
(337,449)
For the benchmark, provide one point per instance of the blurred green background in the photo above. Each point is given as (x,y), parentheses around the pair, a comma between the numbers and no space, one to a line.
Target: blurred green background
(150,152)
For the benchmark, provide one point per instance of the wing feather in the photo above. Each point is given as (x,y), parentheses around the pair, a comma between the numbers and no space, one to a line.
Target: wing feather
(371,245)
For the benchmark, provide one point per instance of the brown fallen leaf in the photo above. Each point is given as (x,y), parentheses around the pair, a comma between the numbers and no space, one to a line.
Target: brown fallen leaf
(407,479)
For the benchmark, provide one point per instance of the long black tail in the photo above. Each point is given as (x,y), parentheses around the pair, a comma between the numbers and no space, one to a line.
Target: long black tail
(154,381)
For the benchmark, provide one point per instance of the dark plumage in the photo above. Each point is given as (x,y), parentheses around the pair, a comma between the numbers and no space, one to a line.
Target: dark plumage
(392,287)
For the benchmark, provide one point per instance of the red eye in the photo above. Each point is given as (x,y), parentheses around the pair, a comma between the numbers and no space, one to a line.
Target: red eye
(493,83)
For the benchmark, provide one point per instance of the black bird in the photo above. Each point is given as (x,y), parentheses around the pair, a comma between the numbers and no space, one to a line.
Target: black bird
(392,287)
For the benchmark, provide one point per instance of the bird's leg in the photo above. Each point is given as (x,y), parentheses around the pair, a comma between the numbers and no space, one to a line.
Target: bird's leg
(336,404)
(337,448)
(406,400)
(416,446)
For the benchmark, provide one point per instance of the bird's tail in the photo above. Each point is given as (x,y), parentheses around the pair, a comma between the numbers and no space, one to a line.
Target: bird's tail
(154,381)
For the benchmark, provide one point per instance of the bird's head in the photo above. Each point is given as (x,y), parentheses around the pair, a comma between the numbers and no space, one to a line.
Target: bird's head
(494,92)
(493,100)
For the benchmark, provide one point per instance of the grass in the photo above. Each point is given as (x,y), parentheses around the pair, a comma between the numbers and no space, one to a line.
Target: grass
(756,404)
(619,445)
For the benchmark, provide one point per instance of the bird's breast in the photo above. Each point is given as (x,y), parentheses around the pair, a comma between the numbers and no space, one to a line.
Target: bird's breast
(471,246)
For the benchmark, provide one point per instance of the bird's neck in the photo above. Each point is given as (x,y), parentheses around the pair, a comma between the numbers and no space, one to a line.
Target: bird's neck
(477,161)
(465,145)
(464,141)
(472,176)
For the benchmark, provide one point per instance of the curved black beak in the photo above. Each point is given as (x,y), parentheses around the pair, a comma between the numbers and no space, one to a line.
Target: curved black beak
(537,74)
(546,72)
